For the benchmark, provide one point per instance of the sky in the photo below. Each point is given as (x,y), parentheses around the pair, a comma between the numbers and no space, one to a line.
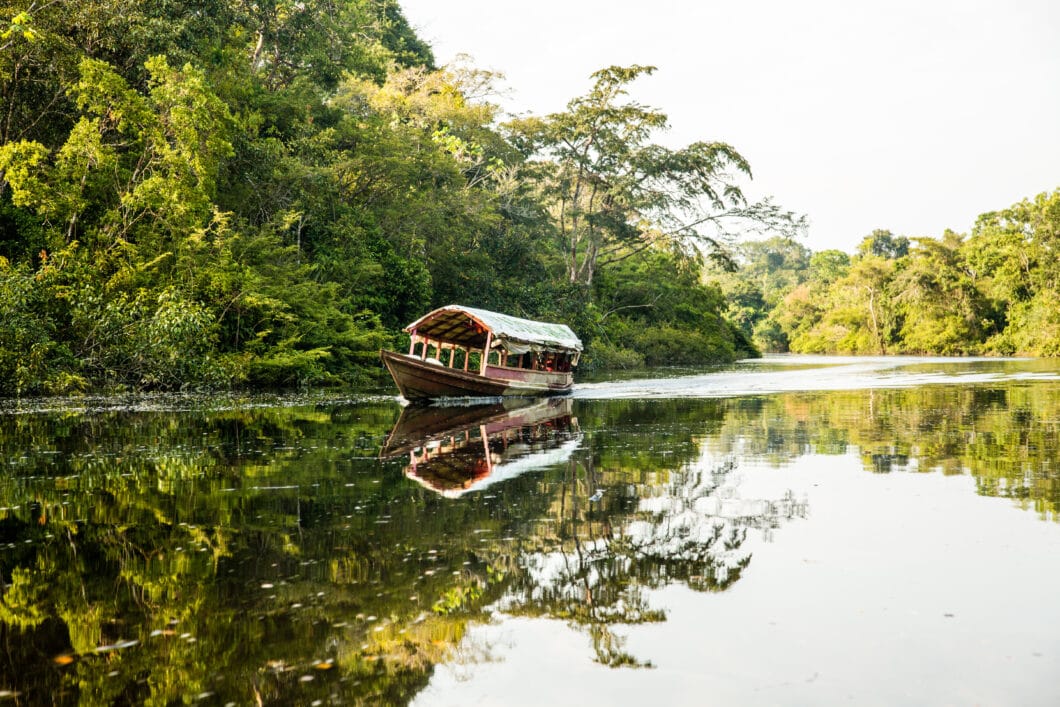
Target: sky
(911,116)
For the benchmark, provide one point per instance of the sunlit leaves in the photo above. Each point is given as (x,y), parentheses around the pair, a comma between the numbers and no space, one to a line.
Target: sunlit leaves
(20,165)
(993,291)
(134,167)
(21,25)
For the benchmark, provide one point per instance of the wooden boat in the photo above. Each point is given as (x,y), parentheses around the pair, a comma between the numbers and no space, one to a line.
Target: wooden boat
(458,351)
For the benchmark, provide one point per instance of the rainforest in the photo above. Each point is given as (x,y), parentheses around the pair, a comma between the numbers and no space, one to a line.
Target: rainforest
(258,195)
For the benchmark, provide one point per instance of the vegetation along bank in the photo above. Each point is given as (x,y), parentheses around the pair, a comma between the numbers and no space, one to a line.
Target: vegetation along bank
(237,194)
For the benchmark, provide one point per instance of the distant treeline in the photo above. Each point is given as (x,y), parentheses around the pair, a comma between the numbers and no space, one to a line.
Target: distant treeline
(229,193)
(994,291)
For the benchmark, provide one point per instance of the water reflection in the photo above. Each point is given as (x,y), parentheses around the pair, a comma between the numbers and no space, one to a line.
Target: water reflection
(453,450)
(340,551)
(596,569)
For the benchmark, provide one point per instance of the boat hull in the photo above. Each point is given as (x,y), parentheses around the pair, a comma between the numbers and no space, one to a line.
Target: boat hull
(421,380)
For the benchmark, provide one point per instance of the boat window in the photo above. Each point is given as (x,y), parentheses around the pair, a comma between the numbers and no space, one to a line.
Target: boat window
(458,361)
(550,361)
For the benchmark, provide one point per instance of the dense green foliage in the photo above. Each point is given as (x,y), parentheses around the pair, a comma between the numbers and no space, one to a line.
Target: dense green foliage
(264,194)
(992,291)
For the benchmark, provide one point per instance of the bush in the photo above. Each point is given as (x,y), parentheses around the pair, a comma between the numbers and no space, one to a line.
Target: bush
(669,346)
(26,344)
(604,356)
(155,340)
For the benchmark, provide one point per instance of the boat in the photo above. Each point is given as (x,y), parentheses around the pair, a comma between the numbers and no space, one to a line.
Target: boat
(458,351)
(455,450)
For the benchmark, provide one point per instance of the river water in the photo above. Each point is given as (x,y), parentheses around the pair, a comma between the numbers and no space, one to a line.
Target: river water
(793,530)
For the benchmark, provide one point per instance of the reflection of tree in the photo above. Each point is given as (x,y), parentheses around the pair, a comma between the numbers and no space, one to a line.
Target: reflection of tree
(596,570)
(160,556)
(1004,434)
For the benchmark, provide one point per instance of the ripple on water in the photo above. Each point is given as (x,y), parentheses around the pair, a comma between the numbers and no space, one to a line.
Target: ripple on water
(789,374)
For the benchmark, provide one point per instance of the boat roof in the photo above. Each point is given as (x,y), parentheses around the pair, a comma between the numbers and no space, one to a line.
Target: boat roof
(468,326)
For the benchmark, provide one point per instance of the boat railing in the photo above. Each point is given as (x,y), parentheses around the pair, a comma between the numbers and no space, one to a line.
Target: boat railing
(455,356)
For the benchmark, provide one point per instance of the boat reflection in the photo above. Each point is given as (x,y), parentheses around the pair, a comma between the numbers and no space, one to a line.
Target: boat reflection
(455,450)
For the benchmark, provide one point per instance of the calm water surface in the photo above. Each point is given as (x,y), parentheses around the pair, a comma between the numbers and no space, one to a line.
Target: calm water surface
(787,531)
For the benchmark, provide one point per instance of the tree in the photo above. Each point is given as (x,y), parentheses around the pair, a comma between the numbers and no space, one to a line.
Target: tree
(857,315)
(176,206)
(612,193)
(657,306)
(884,244)
(799,315)
(776,264)
(941,310)
(1017,249)
(412,161)
(827,266)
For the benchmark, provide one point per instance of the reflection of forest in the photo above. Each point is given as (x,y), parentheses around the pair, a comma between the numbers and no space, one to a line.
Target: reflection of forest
(1005,436)
(268,554)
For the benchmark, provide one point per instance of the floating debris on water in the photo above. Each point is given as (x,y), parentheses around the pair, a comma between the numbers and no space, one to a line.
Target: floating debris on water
(116,646)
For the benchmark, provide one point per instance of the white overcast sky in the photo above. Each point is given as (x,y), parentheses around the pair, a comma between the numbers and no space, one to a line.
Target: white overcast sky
(909,115)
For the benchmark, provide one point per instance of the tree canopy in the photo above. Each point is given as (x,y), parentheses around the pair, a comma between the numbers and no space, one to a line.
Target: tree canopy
(264,194)
(612,193)
(248,194)
(990,291)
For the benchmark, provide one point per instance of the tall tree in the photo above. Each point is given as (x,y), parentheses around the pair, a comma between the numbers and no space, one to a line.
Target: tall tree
(940,308)
(612,192)
(856,316)
(776,264)
(884,244)
(1019,248)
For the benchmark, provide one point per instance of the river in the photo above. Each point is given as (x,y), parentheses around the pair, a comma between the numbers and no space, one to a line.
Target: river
(791,530)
